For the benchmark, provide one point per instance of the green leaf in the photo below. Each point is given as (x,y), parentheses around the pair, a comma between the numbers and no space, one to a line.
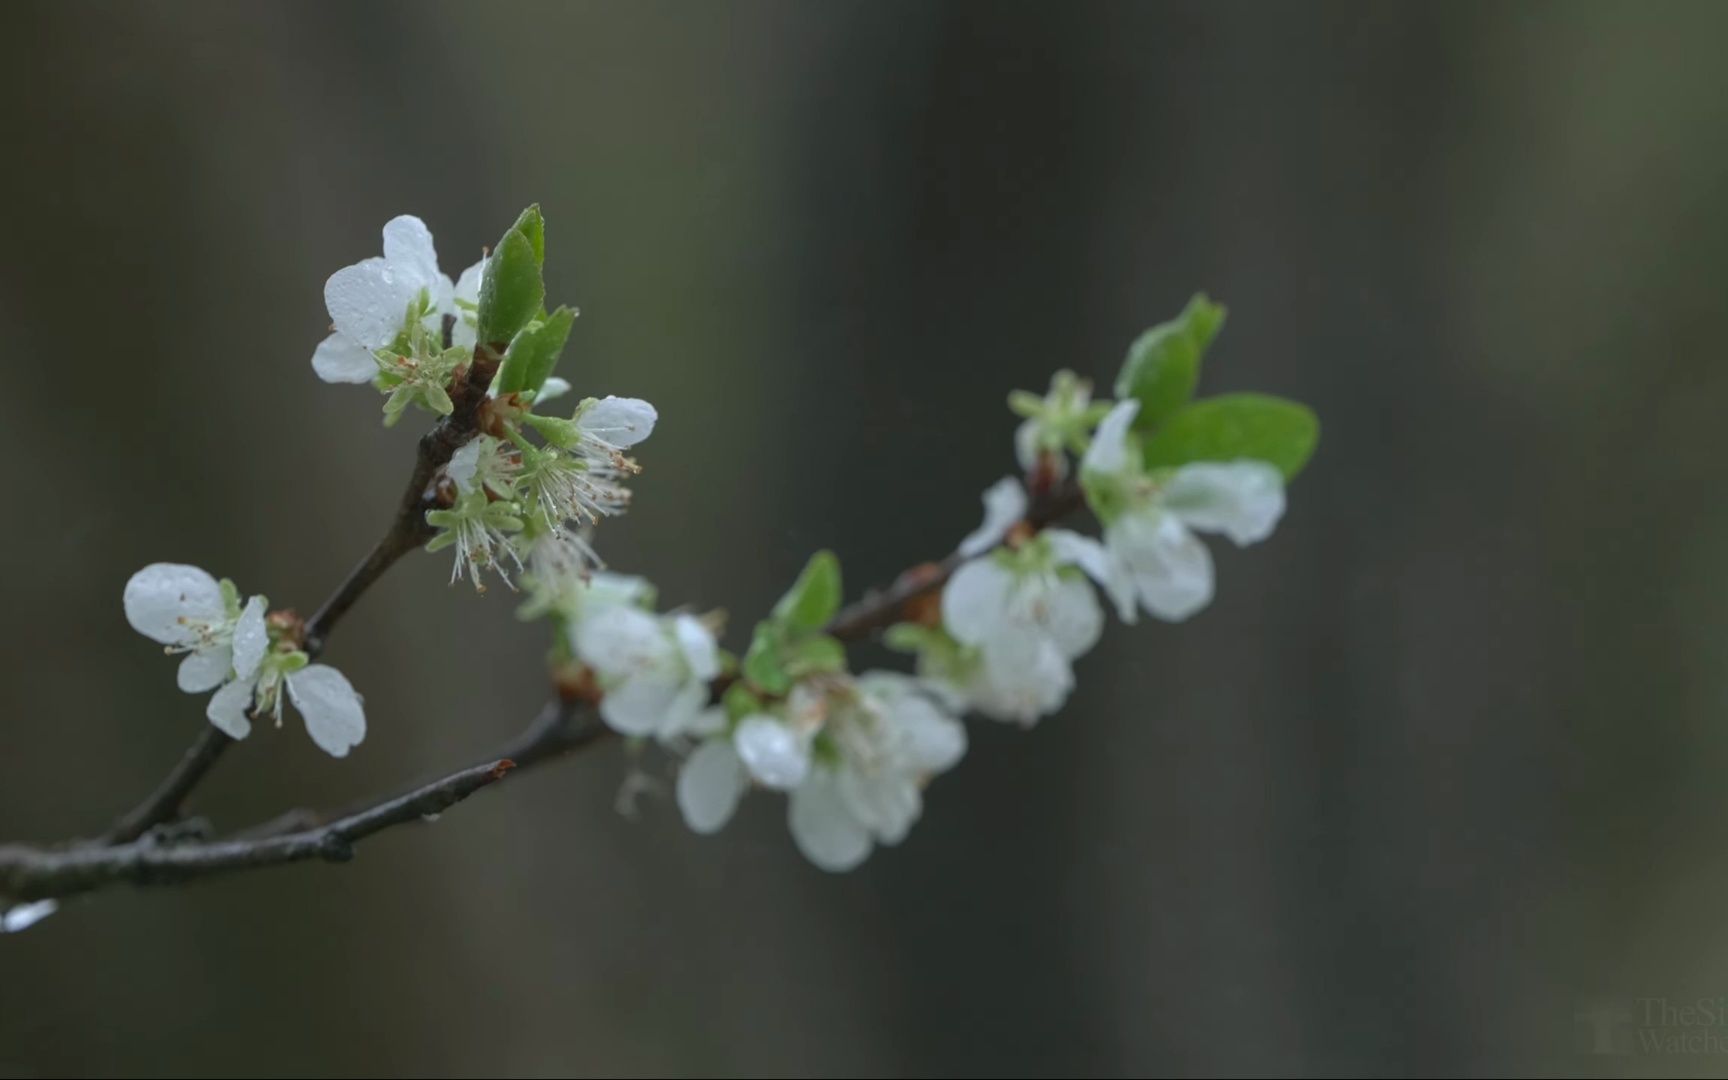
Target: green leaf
(511,292)
(1234,426)
(533,226)
(762,664)
(1163,364)
(814,597)
(814,655)
(533,353)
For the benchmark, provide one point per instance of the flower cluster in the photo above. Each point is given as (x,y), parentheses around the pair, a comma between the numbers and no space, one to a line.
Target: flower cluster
(251,660)
(853,753)
(520,496)
(514,502)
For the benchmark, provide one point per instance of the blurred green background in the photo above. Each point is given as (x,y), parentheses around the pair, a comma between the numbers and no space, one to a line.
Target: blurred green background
(1440,767)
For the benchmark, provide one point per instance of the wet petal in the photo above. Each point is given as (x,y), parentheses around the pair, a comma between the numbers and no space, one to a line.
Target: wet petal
(334,715)
(1004,505)
(341,359)
(824,830)
(161,599)
(204,670)
(710,785)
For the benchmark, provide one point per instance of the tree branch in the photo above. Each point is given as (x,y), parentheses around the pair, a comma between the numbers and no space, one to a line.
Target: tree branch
(563,725)
(28,874)
(408,530)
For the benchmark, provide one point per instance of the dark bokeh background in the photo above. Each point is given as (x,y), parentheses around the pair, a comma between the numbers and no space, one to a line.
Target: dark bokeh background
(1440,767)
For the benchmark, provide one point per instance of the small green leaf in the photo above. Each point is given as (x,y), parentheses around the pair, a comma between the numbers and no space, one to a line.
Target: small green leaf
(814,655)
(1163,364)
(511,292)
(814,597)
(1232,426)
(533,226)
(533,353)
(762,664)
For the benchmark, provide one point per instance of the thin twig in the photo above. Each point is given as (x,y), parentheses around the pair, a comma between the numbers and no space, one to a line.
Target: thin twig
(164,803)
(407,531)
(28,874)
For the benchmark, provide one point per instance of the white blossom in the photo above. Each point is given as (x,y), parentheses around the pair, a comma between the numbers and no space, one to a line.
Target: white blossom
(189,611)
(881,738)
(1154,559)
(230,651)
(371,302)
(654,669)
(579,479)
(889,739)
(1026,614)
(333,711)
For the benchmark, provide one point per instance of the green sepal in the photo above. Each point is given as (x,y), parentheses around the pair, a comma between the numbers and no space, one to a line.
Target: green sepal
(562,433)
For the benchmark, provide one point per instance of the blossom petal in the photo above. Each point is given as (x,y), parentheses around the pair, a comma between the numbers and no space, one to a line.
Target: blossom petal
(887,804)
(1023,677)
(1004,505)
(553,387)
(204,669)
(1109,450)
(467,288)
(332,710)
(463,465)
(931,740)
(341,359)
(251,639)
(772,751)
(1026,445)
(1073,618)
(1170,567)
(408,247)
(710,785)
(1241,499)
(825,831)
(368,301)
(687,711)
(701,652)
(618,421)
(619,641)
(640,705)
(1073,549)
(975,603)
(162,599)
(229,706)
(465,298)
